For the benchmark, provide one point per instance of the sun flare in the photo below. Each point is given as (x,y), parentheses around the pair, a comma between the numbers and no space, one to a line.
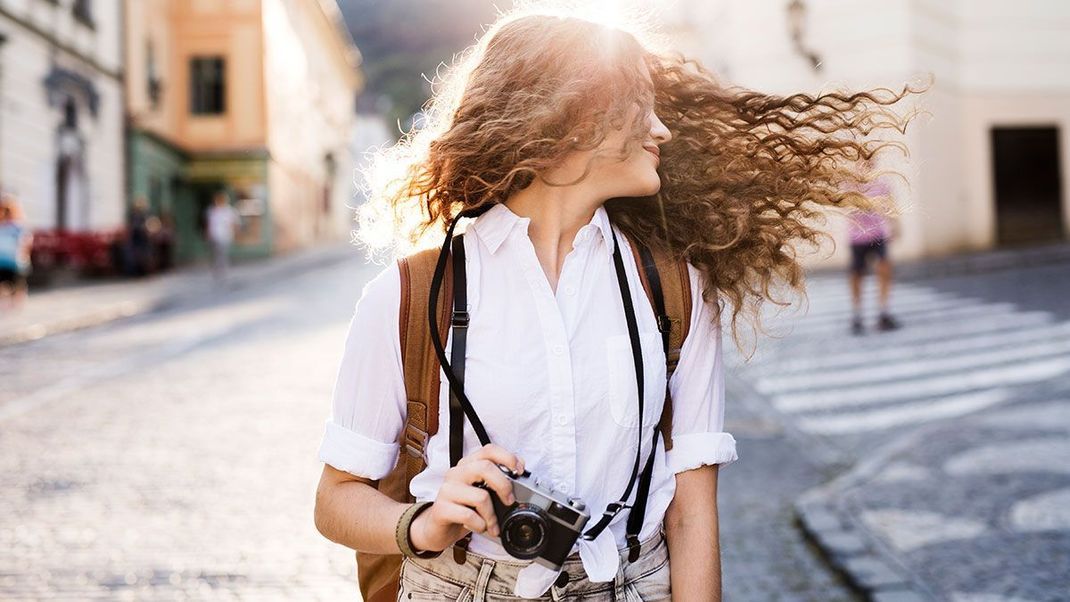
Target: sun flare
(618,14)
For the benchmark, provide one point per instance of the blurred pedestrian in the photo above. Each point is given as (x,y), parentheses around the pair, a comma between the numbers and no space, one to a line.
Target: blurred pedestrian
(138,238)
(223,221)
(15,242)
(165,241)
(870,231)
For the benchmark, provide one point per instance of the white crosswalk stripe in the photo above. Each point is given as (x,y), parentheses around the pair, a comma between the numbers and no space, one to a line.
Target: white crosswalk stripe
(839,292)
(843,308)
(793,354)
(907,413)
(954,356)
(945,384)
(937,316)
(1022,333)
(922,365)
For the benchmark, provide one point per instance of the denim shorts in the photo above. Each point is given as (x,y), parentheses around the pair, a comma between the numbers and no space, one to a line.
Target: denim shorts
(482,579)
(861,253)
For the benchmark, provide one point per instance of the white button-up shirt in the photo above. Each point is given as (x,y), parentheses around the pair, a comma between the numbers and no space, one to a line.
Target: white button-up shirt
(551,377)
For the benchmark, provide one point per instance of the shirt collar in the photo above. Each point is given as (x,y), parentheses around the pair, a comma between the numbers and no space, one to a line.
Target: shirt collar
(494,226)
(601,222)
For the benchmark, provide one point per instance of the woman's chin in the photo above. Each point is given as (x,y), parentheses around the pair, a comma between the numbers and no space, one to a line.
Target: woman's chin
(652,187)
(647,185)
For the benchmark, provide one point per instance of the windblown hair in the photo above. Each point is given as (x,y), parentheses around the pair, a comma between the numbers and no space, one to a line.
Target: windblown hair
(745,179)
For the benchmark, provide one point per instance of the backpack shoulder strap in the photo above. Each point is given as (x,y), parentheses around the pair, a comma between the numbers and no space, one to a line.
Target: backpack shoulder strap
(379,574)
(659,271)
(420,364)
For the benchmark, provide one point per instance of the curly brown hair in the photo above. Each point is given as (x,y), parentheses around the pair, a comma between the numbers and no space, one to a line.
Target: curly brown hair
(745,179)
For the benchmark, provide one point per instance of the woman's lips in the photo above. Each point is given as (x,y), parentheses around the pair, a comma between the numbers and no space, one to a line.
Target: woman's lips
(653,150)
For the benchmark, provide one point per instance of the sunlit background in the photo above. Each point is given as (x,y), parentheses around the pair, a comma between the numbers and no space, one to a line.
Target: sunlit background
(158,430)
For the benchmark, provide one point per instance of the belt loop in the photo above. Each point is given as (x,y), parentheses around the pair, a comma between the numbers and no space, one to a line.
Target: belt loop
(558,588)
(619,582)
(479,594)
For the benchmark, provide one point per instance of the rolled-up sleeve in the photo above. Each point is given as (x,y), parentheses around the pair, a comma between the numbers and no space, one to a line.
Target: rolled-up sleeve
(697,389)
(368,401)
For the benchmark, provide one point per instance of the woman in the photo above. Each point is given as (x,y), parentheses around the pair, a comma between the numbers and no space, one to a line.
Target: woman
(575,136)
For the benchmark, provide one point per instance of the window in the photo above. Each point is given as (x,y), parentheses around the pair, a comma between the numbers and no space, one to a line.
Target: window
(83,11)
(153,85)
(207,85)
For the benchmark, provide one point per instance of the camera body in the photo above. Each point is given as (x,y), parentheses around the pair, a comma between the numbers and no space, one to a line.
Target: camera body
(542,525)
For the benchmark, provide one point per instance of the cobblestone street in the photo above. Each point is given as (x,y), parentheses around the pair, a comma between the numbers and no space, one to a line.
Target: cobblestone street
(173,456)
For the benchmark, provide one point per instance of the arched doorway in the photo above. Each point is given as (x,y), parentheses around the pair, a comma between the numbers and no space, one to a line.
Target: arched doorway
(70,92)
(71,181)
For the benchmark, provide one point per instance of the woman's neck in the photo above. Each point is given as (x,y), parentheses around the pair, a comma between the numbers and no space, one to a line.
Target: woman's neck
(557,213)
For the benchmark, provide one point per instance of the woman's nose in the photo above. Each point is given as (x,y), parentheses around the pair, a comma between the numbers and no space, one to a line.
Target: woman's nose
(658,130)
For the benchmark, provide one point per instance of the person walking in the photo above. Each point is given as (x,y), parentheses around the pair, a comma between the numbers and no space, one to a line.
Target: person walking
(870,232)
(15,243)
(139,239)
(165,241)
(572,149)
(223,221)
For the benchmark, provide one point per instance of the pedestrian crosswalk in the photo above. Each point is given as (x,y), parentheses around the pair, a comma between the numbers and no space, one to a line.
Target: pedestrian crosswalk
(954,356)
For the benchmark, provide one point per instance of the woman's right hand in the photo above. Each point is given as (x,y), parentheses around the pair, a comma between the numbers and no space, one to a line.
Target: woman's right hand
(461,506)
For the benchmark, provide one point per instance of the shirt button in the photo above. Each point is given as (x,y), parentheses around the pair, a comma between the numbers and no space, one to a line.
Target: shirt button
(561,486)
(559,349)
(570,290)
(562,420)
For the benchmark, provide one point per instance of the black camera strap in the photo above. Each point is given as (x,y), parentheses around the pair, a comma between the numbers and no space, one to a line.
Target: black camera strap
(614,508)
(638,512)
(454,370)
(461,407)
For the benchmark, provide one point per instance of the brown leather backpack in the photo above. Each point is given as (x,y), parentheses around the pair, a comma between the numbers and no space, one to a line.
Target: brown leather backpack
(378,574)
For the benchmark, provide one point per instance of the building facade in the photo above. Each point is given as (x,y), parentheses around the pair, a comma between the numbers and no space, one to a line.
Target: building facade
(253,97)
(61,112)
(988,157)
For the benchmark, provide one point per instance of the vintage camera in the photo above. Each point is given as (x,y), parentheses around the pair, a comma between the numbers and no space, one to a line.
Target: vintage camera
(542,525)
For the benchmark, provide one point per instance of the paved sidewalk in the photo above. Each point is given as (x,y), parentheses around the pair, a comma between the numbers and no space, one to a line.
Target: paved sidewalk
(75,307)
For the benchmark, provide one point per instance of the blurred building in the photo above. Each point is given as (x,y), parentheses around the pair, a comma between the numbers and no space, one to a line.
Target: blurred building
(61,108)
(371,134)
(252,96)
(988,166)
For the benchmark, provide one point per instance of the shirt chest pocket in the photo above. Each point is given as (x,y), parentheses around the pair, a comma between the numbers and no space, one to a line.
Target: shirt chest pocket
(621,389)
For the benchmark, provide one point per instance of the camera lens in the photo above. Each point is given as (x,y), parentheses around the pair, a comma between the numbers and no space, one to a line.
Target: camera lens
(524,532)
